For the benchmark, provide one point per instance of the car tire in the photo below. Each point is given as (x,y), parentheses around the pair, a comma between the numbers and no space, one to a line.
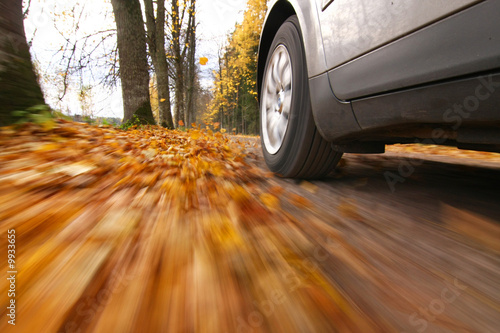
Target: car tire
(291,143)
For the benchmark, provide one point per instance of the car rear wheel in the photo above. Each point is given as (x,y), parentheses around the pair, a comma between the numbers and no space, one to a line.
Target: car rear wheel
(291,143)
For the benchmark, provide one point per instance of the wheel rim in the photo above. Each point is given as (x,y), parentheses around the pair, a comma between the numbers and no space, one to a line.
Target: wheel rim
(276,99)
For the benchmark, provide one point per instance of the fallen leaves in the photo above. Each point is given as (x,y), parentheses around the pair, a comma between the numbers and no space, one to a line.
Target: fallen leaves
(443,151)
(270,201)
(149,230)
(310,187)
(169,210)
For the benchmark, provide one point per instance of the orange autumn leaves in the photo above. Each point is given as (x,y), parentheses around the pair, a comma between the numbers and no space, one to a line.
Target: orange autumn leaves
(102,211)
(435,150)
(197,168)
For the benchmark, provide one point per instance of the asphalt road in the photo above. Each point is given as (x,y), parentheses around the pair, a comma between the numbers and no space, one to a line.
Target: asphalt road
(410,242)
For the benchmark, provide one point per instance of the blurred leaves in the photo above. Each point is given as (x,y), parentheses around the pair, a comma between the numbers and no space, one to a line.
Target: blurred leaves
(480,229)
(443,151)
(152,230)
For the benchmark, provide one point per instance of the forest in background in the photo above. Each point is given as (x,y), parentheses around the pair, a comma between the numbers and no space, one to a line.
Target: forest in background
(146,47)
(234,104)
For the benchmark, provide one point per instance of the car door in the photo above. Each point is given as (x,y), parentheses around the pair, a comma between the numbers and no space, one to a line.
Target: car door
(352,28)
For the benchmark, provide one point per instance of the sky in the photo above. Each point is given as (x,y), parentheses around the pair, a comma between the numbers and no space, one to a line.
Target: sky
(216,19)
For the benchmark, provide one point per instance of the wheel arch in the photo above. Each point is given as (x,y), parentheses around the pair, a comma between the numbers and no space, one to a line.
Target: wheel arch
(334,119)
(280,12)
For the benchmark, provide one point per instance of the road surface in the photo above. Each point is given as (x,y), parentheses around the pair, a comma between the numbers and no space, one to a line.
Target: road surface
(411,241)
(150,230)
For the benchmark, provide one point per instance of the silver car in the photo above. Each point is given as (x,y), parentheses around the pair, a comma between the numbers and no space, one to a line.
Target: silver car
(350,76)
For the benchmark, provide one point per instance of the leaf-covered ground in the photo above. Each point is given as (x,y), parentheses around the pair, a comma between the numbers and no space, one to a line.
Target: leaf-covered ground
(149,230)
(461,155)
(152,231)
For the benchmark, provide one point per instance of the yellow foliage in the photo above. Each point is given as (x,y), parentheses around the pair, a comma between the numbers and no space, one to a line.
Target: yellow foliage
(238,68)
(270,201)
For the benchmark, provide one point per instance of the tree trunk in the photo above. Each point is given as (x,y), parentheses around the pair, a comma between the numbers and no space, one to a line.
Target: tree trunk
(221,108)
(19,88)
(164,93)
(178,61)
(191,66)
(134,74)
(156,42)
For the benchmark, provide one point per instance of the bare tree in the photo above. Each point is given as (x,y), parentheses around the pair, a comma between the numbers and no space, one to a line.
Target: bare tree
(134,75)
(19,88)
(191,65)
(156,43)
(177,18)
(183,45)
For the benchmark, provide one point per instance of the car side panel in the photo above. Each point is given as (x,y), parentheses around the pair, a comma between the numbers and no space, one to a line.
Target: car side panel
(462,44)
(351,28)
(333,118)
(307,13)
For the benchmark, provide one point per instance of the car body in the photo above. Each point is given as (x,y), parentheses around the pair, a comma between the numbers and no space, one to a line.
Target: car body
(376,73)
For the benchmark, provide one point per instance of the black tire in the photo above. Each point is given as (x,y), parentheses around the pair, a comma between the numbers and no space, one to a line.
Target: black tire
(303,153)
